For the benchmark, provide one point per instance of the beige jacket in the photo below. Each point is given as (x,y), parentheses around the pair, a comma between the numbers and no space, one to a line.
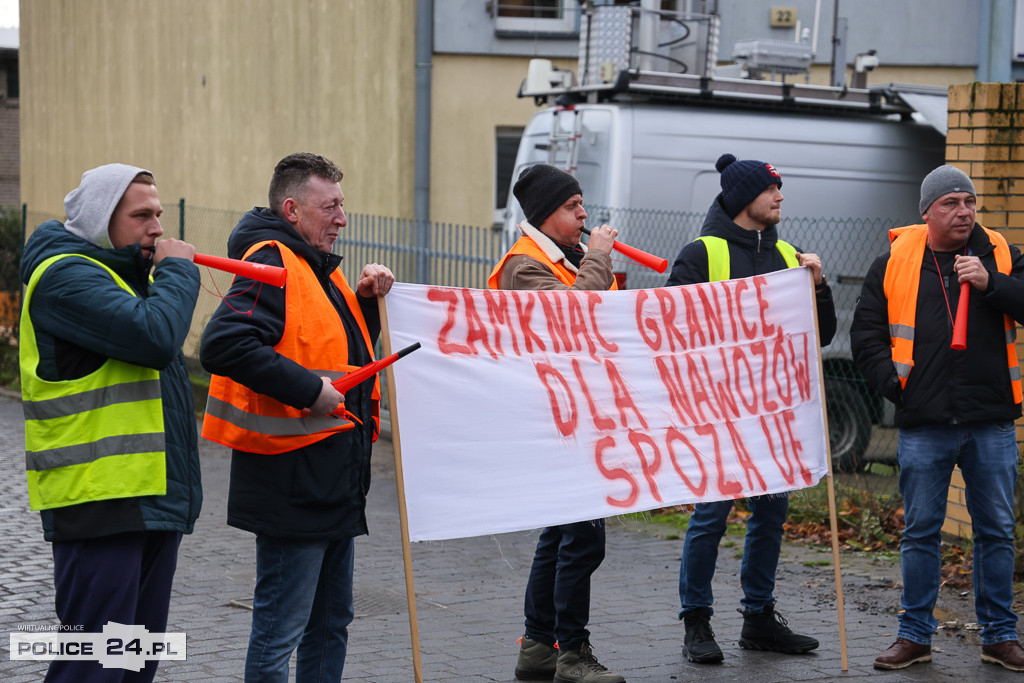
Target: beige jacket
(526,273)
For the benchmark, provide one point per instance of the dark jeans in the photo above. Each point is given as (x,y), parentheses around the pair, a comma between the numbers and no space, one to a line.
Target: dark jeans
(761,550)
(558,591)
(125,578)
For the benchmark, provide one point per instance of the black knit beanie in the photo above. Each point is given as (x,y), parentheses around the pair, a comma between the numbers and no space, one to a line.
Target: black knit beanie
(541,189)
(742,181)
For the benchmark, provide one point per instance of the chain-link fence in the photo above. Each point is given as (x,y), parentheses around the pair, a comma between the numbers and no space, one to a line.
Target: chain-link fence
(863,442)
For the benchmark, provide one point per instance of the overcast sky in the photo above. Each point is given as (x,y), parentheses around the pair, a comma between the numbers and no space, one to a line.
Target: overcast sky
(9,13)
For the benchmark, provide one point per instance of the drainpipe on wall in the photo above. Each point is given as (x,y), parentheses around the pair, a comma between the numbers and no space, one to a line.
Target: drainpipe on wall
(421,205)
(995,41)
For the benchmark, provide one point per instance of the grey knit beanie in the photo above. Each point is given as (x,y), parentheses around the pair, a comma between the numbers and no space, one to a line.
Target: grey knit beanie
(942,181)
(541,189)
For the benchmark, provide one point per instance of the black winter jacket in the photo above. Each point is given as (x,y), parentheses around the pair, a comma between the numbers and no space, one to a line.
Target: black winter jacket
(750,253)
(317,492)
(81,318)
(944,386)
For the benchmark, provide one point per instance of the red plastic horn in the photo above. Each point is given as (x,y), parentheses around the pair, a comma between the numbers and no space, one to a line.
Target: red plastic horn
(653,262)
(351,379)
(960,326)
(272,275)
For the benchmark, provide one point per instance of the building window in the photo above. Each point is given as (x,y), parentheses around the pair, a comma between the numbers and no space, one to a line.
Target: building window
(552,17)
(506,144)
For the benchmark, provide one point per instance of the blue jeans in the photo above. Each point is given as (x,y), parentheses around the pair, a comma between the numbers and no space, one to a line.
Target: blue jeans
(557,604)
(303,598)
(760,552)
(987,455)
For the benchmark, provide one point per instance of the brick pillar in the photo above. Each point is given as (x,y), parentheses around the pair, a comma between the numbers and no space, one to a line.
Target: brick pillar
(986,141)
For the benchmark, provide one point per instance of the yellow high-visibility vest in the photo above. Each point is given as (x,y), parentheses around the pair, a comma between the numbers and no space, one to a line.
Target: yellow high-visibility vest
(718,256)
(91,438)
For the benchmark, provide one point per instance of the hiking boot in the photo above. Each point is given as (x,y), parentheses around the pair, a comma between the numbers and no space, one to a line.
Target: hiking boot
(536,660)
(1008,654)
(903,653)
(699,642)
(581,666)
(768,630)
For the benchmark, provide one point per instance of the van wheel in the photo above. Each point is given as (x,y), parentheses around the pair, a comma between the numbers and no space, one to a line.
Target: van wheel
(849,425)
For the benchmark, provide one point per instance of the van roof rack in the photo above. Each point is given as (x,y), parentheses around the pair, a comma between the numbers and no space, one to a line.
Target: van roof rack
(635,85)
(644,54)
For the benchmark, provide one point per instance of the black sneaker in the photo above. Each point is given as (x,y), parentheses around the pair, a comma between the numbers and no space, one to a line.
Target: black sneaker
(699,642)
(768,630)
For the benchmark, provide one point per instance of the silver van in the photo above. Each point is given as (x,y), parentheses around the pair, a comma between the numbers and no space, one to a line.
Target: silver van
(643,145)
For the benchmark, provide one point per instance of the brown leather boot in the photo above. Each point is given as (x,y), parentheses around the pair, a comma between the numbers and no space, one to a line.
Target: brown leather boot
(903,653)
(1008,654)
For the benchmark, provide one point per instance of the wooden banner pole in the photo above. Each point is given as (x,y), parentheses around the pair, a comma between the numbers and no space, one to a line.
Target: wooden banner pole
(832,517)
(410,588)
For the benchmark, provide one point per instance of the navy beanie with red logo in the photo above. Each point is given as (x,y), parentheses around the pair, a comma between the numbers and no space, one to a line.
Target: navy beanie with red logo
(743,180)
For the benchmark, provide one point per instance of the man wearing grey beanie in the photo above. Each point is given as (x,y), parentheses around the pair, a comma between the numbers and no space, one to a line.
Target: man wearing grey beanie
(110,433)
(955,404)
(548,256)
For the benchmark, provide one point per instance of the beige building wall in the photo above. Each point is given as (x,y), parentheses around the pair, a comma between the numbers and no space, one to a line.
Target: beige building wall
(918,75)
(472,96)
(210,94)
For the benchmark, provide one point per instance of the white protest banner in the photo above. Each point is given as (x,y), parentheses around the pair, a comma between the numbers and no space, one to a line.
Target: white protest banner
(528,409)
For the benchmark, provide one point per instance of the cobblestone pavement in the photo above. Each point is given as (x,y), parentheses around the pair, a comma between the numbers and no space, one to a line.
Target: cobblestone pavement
(469,596)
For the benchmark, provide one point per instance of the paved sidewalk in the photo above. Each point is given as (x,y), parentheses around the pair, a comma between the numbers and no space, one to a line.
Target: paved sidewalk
(469,599)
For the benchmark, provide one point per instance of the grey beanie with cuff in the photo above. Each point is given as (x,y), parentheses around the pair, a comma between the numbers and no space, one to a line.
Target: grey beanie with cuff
(942,181)
(89,206)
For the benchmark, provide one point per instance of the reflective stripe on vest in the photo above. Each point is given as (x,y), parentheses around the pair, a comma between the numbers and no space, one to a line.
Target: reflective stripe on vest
(314,337)
(902,277)
(92,438)
(718,256)
(527,247)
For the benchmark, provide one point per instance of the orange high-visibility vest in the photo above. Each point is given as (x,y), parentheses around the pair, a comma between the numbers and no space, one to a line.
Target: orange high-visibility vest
(314,337)
(527,247)
(902,276)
